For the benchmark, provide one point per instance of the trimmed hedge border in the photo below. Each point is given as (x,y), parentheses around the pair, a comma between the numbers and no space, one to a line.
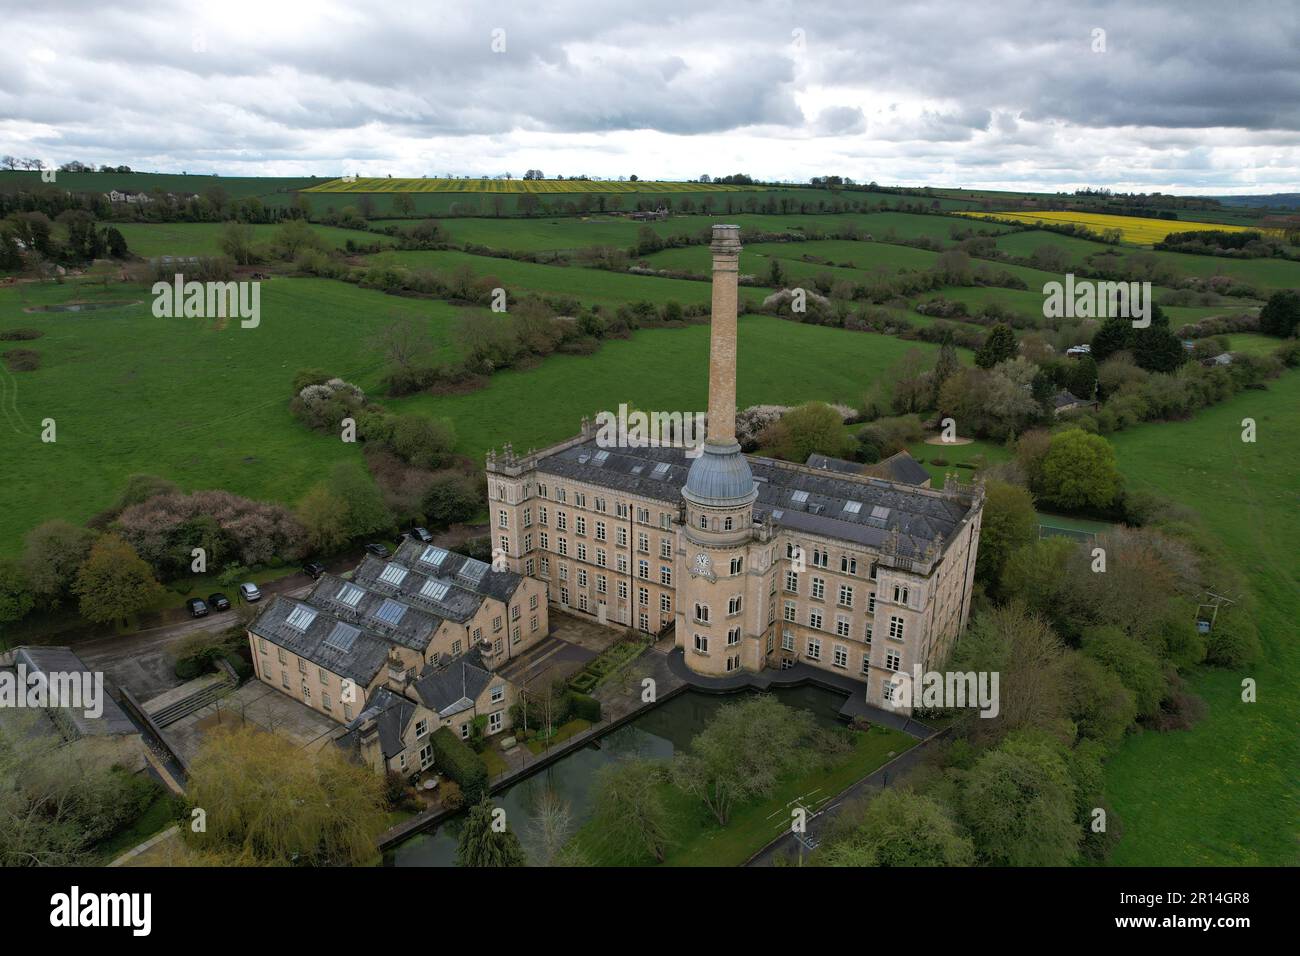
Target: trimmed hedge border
(459,761)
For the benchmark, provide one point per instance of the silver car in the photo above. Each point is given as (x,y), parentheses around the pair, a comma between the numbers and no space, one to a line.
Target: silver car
(249,592)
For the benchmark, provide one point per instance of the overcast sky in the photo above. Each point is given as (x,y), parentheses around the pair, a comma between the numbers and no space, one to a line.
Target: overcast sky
(1186,96)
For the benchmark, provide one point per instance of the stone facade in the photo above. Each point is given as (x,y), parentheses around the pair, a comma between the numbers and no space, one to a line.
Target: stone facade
(754,563)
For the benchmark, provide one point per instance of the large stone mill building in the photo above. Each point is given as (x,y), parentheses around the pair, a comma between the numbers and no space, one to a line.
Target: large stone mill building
(752,562)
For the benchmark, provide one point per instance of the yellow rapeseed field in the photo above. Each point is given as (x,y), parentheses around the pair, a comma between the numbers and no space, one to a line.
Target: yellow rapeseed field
(544,186)
(1142,231)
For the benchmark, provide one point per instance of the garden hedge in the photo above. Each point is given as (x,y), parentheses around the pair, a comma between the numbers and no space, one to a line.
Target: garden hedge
(457,760)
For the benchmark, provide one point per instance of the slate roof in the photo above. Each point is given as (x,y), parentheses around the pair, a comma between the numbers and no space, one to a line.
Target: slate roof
(47,660)
(468,574)
(409,580)
(883,507)
(393,713)
(827,463)
(903,467)
(359,660)
(381,611)
(454,686)
(1065,398)
(348,627)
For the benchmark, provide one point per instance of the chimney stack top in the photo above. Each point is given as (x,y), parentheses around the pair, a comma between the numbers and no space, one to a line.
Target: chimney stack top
(726,239)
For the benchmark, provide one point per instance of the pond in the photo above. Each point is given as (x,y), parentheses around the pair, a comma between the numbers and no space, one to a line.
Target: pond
(656,734)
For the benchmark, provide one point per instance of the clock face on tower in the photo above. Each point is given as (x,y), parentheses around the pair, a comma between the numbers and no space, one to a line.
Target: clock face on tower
(703,566)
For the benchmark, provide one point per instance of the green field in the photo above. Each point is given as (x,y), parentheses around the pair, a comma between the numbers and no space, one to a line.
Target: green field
(1226,792)
(207,408)
(541,187)
(1267,275)
(200,238)
(589,286)
(272,190)
(178,398)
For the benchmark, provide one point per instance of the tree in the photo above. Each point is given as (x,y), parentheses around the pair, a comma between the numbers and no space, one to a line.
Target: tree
(483,844)
(115,582)
(1112,337)
(1023,649)
(1281,314)
(366,512)
(814,427)
(53,552)
(236,241)
(1019,803)
(421,441)
(404,204)
(1101,707)
(743,752)
(1156,348)
(999,345)
(550,827)
(266,797)
(945,366)
(902,828)
(16,597)
(451,498)
(1035,573)
(56,801)
(1079,471)
(1009,522)
(1132,662)
(404,343)
(325,516)
(1082,380)
(629,810)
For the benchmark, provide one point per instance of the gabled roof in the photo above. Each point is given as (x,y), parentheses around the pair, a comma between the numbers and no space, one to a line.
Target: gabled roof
(359,658)
(454,686)
(1064,398)
(392,712)
(827,463)
(904,468)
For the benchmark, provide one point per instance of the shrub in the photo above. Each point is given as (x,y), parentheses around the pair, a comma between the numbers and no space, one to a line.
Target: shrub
(457,760)
(585,708)
(20,335)
(1232,642)
(22,360)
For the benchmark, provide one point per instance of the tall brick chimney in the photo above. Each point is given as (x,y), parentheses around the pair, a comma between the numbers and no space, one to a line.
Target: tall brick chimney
(722,335)
(721,477)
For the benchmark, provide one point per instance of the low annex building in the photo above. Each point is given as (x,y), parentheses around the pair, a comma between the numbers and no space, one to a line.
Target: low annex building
(407,645)
(752,562)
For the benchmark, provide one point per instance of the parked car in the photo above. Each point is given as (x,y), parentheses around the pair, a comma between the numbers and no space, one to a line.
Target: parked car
(378,550)
(249,592)
(196,607)
(421,534)
(219,602)
(313,569)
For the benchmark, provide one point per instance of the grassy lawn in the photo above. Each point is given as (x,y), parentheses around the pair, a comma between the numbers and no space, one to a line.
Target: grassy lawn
(990,452)
(496,764)
(697,840)
(562,733)
(1227,791)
